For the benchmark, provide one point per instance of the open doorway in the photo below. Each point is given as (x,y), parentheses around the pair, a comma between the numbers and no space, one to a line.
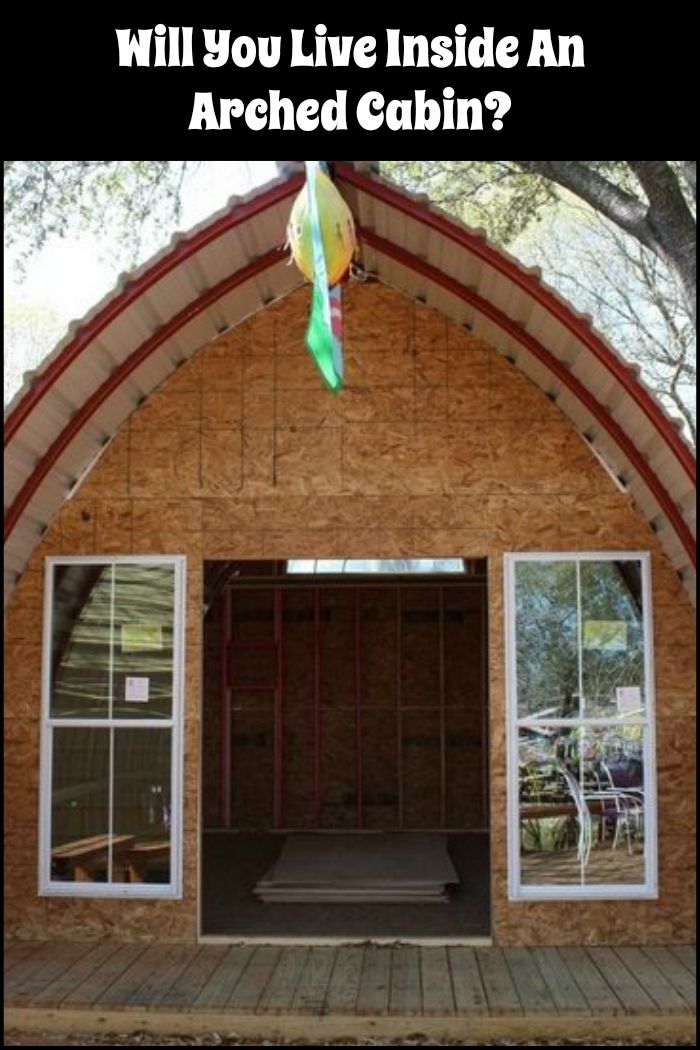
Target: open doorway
(346,708)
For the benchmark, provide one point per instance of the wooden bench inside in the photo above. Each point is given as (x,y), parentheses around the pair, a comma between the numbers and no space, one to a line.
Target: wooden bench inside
(81,855)
(138,858)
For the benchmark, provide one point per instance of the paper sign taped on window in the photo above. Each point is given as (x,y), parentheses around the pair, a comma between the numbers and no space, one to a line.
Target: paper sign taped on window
(136,690)
(141,637)
(605,634)
(629,699)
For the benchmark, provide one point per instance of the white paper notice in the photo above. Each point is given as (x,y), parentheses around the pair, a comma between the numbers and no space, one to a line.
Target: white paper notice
(137,690)
(629,699)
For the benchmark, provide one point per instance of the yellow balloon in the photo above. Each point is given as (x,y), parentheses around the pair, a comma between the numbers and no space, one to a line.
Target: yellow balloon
(337,231)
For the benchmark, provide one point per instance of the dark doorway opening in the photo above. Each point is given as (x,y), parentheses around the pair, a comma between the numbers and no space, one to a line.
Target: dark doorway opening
(342,702)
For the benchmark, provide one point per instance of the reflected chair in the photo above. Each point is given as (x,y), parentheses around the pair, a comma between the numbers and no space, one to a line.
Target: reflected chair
(606,808)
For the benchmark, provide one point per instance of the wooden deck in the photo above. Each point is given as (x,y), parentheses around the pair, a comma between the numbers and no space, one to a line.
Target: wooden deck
(352,990)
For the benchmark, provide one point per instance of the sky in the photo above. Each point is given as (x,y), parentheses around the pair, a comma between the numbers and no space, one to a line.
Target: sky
(70,275)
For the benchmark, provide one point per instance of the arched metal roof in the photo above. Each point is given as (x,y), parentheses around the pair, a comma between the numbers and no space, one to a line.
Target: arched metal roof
(234,264)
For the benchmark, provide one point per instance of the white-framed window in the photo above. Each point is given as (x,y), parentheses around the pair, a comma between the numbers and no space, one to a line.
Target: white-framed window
(112,713)
(580,702)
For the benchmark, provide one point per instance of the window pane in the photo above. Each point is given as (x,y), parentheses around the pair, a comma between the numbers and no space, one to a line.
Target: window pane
(80,805)
(581,806)
(143,640)
(546,629)
(80,641)
(142,805)
(612,638)
(368,565)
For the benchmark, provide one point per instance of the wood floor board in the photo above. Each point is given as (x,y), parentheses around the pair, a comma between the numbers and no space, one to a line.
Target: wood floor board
(344,985)
(467,986)
(501,993)
(223,979)
(624,984)
(436,981)
(405,997)
(250,987)
(375,981)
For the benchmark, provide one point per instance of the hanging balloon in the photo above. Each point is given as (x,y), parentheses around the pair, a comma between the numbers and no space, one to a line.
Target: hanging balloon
(337,231)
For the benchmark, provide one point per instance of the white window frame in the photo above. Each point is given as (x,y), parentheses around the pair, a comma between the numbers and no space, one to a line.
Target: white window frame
(174,888)
(609,891)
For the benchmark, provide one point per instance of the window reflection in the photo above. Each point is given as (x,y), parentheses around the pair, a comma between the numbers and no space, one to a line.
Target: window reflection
(547,639)
(582,806)
(581,707)
(112,624)
(613,638)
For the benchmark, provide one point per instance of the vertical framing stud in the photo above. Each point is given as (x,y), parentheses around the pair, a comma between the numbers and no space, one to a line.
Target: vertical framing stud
(443,756)
(483,696)
(358,708)
(399,711)
(279,720)
(318,795)
(226,712)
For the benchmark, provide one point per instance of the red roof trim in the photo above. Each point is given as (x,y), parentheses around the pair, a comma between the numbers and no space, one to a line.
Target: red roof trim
(555,366)
(182,250)
(534,288)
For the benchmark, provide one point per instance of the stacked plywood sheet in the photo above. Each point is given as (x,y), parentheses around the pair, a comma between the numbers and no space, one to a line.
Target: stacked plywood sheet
(363,868)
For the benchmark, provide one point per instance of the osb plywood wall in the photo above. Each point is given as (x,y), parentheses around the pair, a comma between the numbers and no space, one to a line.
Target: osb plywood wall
(438,447)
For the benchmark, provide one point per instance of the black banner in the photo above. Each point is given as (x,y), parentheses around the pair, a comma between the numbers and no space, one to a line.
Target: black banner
(344,83)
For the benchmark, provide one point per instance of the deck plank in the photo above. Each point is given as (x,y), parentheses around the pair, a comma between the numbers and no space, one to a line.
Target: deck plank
(344,985)
(159,981)
(281,988)
(17,952)
(25,967)
(637,985)
(529,983)
(190,982)
(223,979)
(54,992)
(687,955)
(405,997)
(625,986)
(249,988)
(375,981)
(501,993)
(673,969)
(54,963)
(467,986)
(89,991)
(136,977)
(566,994)
(653,981)
(311,990)
(436,980)
(595,989)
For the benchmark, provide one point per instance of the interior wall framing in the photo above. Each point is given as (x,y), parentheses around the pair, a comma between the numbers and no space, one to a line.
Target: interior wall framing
(336,704)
